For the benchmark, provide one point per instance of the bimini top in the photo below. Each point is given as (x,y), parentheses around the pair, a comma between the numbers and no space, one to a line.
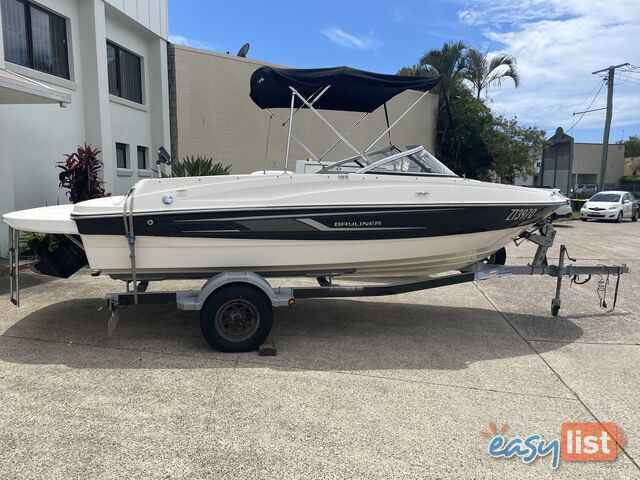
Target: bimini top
(351,90)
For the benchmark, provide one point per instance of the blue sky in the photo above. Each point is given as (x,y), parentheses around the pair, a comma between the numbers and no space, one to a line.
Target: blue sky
(558,43)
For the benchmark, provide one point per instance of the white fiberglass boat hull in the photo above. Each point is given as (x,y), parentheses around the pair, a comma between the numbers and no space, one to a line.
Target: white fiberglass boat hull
(354,224)
(379,258)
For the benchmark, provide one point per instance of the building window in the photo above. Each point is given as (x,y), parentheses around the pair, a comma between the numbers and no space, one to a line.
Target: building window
(142,158)
(121,155)
(124,72)
(34,37)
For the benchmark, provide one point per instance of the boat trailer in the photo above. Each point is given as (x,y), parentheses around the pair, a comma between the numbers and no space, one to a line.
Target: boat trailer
(236,307)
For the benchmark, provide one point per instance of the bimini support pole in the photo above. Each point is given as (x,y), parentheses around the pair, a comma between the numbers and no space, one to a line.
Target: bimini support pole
(327,123)
(286,157)
(293,137)
(345,134)
(396,121)
(313,98)
(266,148)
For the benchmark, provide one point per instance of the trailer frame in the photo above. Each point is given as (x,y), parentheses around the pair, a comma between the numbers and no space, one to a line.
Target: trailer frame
(251,290)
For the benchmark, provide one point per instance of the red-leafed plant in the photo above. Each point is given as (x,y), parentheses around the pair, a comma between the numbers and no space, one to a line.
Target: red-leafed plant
(80,174)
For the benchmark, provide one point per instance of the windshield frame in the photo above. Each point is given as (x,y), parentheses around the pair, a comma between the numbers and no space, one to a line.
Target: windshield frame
(372,168)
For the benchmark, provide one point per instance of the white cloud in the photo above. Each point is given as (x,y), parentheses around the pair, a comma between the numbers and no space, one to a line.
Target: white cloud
(347,40)
(558,43)
(190,42)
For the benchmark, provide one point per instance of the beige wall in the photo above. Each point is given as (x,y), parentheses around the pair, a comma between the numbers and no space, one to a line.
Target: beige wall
(587,158)
(215,116)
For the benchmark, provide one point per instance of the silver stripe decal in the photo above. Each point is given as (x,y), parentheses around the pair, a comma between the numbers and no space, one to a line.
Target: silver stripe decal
(267,217)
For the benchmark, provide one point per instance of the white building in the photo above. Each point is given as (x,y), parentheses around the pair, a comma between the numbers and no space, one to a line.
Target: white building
(105,61)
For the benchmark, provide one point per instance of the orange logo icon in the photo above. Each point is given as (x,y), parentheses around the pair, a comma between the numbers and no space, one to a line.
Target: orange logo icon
(591,441)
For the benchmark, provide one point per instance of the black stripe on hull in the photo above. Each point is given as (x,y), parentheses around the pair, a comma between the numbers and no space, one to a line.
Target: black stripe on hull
(341,223)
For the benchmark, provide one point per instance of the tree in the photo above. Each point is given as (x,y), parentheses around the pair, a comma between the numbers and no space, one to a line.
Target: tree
(631,146)
(412,70)
(512,147)
(447,61)
(471,140)
(461,144)
(482,71)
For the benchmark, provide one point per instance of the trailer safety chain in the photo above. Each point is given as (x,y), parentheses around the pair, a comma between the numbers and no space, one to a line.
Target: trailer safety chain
(601,290)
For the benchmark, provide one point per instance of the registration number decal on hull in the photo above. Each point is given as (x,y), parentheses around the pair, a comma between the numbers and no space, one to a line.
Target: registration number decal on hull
(521,213)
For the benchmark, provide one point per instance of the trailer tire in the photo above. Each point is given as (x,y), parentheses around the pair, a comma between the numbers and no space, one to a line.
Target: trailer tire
(236,318)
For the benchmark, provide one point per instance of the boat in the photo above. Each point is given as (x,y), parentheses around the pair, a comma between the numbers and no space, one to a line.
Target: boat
(383,212)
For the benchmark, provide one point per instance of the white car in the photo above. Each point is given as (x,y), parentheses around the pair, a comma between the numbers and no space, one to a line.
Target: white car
(613,205)
(564,211)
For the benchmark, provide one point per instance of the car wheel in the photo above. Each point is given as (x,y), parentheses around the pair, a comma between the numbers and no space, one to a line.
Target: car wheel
(619,218)
(634,217)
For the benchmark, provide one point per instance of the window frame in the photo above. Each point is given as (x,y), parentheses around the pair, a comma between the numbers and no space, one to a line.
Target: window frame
(145,151)
(117,48)
(28,5)
(125,149)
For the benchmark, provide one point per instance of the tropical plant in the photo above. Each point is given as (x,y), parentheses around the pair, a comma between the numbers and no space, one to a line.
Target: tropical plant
(28,241)
(412,70)
(448,61)
(199,167)
(483,71)
(81,174)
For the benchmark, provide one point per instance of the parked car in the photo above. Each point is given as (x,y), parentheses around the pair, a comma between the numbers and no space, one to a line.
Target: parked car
(614,205)
(565,211)
(585,190)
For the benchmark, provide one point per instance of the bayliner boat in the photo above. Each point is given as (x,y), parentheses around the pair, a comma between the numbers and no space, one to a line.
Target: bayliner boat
(391,212)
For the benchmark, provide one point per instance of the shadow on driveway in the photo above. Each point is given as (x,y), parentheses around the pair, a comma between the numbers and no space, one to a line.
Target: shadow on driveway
(329,334)
(27,280)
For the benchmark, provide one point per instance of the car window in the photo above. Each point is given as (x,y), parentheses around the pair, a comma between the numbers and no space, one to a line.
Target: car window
(605,197)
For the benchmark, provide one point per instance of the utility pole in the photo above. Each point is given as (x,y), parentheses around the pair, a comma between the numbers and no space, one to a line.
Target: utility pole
(611,71)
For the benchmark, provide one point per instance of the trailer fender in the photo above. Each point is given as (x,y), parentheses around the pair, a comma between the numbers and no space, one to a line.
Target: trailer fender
(194,300)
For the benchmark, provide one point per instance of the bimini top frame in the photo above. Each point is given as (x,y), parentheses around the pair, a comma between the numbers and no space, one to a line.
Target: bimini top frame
(340,88)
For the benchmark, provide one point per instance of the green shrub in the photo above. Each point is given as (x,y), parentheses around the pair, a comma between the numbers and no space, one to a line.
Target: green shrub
(631,179)
(198,167)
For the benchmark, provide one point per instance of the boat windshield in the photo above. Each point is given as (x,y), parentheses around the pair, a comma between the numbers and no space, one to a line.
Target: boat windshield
(416,160)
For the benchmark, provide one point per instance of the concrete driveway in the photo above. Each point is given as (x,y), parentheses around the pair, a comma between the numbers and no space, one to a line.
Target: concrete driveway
(387,387)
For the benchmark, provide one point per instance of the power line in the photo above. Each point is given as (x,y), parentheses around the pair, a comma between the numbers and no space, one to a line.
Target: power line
(577,107)
(586,110)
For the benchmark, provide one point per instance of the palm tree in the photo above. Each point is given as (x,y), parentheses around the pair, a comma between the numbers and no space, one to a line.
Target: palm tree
(412,70)
(482,71)
(448,61)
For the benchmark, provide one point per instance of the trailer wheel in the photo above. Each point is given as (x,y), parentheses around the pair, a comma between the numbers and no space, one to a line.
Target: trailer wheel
(236,318)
